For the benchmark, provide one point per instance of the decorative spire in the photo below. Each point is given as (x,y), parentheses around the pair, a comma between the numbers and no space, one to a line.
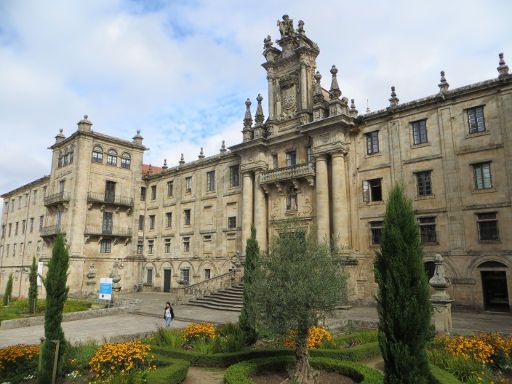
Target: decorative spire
(334,92)
(84,125)
(60,136)
(201,154)
(259,117)
(393,101)
(318,97)
(182,159)
(137,139)
(443,84)
(503,67)
(223,147)
(165,164)
(353,107)
(248,117)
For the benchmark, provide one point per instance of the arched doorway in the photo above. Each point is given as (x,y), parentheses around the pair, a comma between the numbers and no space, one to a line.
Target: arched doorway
(494,286)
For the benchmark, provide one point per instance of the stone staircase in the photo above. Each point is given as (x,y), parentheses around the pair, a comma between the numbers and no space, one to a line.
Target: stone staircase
(227,299)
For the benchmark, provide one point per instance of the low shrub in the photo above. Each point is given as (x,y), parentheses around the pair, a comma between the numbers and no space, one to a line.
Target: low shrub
(463,369)
(316,336)
(172,338)
(356,338)
(18,361)
(173,372)
(230,338)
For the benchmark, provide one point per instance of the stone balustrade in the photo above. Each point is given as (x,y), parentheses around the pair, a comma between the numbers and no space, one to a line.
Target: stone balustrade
(287,173)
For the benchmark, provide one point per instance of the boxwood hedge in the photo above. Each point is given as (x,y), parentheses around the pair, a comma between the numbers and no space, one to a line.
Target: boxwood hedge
(169,371)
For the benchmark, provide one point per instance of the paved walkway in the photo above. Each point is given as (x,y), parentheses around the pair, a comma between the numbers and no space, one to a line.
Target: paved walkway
(151,313)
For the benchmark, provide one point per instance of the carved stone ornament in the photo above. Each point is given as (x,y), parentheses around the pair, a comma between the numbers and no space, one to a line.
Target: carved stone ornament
(289,98)
(286,26)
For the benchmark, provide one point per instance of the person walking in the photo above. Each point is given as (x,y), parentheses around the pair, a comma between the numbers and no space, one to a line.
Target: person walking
(168,314)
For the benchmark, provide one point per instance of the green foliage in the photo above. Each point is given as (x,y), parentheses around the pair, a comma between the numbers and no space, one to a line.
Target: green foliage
(230,338)
(77,356)
(32,290)
(56,295)
(443,377)
(403,298)
(247,318)
(8,290)
(466,370)
(202,345)
(19,308)
(173,372)
(168,337)
(356,338)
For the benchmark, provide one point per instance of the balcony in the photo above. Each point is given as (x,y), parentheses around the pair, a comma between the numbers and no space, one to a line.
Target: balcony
(102,198)
(108,232)
(56,198)
(293,172)
(52,230)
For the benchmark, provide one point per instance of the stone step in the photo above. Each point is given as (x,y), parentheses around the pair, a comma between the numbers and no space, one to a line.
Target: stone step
(218,307)
(220,300)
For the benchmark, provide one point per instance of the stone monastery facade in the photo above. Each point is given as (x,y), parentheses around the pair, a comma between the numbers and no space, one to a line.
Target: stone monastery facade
(314,158)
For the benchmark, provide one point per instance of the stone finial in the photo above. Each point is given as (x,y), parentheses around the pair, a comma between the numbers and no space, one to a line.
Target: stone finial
(367,107)
(137,139)
(443,84)
(300,27)
(353,109)
(201,154)
(182,159)
(223,147)
(165,164)
(60,136)
(318,96)
(441,301)
(503,67)
(84,125)
(248,117)
(439,280)
(334,92)
(259,117)
(393,101)
(267,42)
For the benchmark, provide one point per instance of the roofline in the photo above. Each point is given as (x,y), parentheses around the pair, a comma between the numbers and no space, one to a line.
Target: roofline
(98,135)
(26,186)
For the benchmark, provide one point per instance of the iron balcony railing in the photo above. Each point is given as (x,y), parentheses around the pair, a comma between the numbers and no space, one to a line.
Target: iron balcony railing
(106,198)
(287,173)
(108,231)
(56,198)
(51,230)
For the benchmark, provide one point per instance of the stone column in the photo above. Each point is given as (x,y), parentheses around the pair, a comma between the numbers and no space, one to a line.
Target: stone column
(247,198)
(441,301)
(322,198)
(339,200)
(260,213)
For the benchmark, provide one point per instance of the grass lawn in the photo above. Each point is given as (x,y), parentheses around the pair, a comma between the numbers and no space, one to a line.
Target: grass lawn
(19,308)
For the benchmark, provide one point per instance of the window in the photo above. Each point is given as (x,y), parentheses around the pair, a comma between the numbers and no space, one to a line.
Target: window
(168,219)
(482,175)
(153,192)
(7,250)
(372,142)
(186,213)
(185,276)
(65,158)
(62,186)
(141,222)
(106,246)
(23,226)
(427,229)
(234,175)
(372,190)
(309,155)
(207,274)
(275,162)
(232,222)
(126,161)
(424,183)
(149,276)
(29,248)
(140,247)
(97,154)
(188,184)
(291,199)
(34,197)
(142,193)
(44,192)
(107,224)
(476,122)
(487,226)
(19,202)
(151,246)
(419,132)
(16,230)
(60,159)
(210,181)
(14,249)
(12,205)
(71,153)
(186,244)
(152,222)
(170,188)
(112,157)
(167,246)
(21,249)
(41,219)
(291,158)
(110,191)
(31,224)
(3,231)
(26,200)
(376,232)
(10,228)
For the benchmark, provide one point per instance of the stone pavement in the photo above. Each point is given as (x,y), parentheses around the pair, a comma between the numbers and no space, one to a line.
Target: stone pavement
(150,316)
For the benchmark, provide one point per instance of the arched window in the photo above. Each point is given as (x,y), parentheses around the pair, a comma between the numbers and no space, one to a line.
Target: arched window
(59,164)
(97,154)
(71,153)
(112,157)
(125,160)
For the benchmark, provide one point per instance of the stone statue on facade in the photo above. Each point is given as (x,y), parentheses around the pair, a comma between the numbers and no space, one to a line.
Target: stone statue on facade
(267,42)
(286,26)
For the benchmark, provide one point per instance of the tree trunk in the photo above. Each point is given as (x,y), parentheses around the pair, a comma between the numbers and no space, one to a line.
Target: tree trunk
(303,374)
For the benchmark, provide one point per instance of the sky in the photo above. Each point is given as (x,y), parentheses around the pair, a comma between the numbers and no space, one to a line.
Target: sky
(180,71)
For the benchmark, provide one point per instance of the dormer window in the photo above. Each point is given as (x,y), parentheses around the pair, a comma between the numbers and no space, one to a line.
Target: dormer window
(97,154)
(125,160)
(112,157)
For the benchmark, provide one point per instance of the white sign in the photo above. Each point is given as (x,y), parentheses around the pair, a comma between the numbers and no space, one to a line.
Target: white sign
(39,273)
(105,292)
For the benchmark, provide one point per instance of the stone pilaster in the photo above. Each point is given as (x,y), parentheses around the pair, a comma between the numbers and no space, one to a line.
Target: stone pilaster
(247,207)
(260,216)
(322,198)
(340,204)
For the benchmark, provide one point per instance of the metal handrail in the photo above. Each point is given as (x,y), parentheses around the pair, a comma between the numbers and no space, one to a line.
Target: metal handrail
(56,198)
(51,230)
(108,231)
(109,199)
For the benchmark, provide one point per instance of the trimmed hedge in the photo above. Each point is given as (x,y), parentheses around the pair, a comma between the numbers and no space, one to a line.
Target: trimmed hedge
(241,373)
(169,371)
(356,353)
(356,338)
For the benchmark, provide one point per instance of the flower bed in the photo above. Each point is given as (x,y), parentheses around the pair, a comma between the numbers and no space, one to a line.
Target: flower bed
(18,361)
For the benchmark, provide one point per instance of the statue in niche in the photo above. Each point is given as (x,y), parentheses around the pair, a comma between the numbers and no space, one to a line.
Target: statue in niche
(286,26)
(291,199)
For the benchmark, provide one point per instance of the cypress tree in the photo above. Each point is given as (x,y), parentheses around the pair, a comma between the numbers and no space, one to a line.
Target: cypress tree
(32,291)
(8,290)
(56,295)
(247,318)
(403,299)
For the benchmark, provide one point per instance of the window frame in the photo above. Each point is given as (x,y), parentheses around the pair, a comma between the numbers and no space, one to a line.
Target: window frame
(126,160)
(152,221)
(167,246)
(168,219)
(170,188)
(372,142)
(187,216)
(231,219)
(368,188)
(478,171)
(291,158)
(106,246)
(151,246)
(424,187)
(376,227)
(481,220)
(186,244)
(474,120)
(210,181)
(188,184)
(428,229)
(234,176)
(112,157)
(419,132)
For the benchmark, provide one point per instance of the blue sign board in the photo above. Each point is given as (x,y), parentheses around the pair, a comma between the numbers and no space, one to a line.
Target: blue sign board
(105,288)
